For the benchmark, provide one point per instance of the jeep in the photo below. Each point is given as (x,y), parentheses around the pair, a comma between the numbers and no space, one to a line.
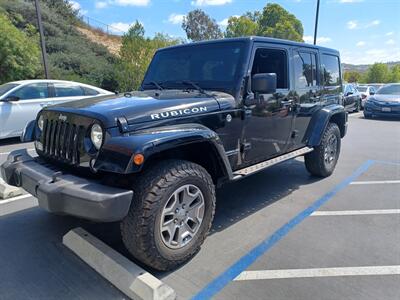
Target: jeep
(206,113)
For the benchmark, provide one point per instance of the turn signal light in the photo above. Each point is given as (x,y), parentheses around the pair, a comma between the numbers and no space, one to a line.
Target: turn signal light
(138,159)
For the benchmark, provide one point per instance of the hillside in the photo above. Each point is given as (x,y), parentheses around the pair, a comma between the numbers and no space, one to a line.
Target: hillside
(364,68)
(111,42)
(75,51)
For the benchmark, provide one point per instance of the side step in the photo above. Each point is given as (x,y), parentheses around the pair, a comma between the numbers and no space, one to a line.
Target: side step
(268,163)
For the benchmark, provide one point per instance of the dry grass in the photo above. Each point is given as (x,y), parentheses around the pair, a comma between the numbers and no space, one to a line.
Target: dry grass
(111,42)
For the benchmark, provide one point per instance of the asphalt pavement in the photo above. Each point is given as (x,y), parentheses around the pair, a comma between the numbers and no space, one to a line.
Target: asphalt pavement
(279,234)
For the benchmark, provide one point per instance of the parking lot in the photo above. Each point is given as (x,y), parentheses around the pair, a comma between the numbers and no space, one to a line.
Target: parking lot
(279,234)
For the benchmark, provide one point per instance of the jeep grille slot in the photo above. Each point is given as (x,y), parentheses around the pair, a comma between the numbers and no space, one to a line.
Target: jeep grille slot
(62,140)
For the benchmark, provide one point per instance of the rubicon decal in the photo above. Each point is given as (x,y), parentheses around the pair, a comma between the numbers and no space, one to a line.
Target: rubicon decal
(178,112)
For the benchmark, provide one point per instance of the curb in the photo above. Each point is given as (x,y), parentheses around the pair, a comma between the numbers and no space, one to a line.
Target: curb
(8,191)
(132,280)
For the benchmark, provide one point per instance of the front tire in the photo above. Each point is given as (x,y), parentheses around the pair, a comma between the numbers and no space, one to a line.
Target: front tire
(322,161)
(171,214)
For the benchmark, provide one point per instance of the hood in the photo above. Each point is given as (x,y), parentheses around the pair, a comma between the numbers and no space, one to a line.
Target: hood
(386,98)
(139,107)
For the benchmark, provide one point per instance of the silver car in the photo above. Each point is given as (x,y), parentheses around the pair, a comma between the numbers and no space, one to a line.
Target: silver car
(20,101)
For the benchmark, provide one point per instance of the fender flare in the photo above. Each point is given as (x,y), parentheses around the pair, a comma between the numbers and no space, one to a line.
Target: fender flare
(28,134)
(321,119)
(117,153)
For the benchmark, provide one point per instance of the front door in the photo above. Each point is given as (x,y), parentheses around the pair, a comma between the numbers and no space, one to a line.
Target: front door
(269,123)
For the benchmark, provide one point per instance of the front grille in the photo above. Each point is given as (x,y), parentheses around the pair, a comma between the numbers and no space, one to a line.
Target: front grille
(62,140)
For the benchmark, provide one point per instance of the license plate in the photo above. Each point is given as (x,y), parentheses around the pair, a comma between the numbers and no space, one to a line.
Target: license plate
(386,109)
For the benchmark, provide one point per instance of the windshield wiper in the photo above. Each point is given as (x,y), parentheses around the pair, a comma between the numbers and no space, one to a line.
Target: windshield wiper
(196,87)
(156,84)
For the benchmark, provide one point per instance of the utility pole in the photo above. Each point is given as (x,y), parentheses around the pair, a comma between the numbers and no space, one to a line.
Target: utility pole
(42,41)
(316,23)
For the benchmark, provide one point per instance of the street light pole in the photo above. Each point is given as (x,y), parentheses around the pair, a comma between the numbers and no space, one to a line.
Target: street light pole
(316,23)
(42,41)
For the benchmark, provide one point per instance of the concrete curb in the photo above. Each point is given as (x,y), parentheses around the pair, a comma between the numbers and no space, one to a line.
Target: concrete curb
(132,280)
(8,191)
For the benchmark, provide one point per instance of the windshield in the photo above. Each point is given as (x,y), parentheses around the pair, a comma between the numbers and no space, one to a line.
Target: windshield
(362,88)
(210,66)
(4,88)
(389,90)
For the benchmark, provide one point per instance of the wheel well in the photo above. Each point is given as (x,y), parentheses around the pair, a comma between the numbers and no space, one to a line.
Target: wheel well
(201,153)
(340,120)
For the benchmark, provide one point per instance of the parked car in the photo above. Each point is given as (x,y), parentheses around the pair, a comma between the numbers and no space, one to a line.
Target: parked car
(365,91)
(351,98)
(386,102)
(376,86)
(208,113)
(20,101)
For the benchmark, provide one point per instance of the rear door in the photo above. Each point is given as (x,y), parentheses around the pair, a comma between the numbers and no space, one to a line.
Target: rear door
(305,65)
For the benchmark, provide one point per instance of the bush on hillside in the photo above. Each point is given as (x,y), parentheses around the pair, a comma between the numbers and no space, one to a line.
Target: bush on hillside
(19,53)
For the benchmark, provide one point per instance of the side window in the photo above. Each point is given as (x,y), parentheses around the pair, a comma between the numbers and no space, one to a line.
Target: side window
(89,91)
(32,91)
(330,70)
(272,61)
(305,69)
(67,90)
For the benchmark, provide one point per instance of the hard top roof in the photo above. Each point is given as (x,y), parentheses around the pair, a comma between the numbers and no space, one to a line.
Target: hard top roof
(253,39)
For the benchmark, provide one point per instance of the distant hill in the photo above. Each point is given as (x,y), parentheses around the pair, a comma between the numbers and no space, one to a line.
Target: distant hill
(364,68)
(75,50)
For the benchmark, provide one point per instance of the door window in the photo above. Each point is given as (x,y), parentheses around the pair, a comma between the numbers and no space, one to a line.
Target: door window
(331,70)
(67,90)
(32,91)
(272,61)
(305,69)
(89,91)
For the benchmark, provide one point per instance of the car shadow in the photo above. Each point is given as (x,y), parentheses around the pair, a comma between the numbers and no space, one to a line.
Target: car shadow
(34,261)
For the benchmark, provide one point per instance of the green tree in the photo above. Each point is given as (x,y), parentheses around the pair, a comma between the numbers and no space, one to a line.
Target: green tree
(277,22)
(19,53)
(395,74)
(199,26)
(135,55)
(241,26)
(377,73)
(352,76)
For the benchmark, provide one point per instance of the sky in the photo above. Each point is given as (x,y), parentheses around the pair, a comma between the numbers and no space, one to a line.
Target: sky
(364,31)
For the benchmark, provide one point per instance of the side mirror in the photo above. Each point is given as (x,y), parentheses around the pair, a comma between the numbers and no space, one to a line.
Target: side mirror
(264,83)
(372,93)
(11,98)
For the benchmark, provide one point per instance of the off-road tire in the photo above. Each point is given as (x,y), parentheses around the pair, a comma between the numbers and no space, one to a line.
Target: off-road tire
(315,160)
(152,189)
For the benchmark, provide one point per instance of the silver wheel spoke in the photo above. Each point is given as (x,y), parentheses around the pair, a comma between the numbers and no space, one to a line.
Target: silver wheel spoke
(182,216)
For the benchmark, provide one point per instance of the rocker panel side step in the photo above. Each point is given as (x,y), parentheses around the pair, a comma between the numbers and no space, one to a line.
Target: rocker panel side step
(270,162)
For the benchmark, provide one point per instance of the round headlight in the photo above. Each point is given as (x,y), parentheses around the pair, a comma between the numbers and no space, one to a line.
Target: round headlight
(40,122)
(96,135)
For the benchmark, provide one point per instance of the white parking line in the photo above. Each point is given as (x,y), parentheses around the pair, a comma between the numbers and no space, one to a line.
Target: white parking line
(375,182)
(356,212)
(15,199)
(318,272)
(6,153)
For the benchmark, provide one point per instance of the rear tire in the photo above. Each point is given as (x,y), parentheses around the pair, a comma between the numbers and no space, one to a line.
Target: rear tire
(165,199)
(358,105)
(322,161)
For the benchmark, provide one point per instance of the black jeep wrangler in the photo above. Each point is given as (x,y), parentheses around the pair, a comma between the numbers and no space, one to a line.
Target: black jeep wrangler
(206,113)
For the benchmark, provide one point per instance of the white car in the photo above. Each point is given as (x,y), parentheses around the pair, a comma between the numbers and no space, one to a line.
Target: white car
(366,91)
(20,101)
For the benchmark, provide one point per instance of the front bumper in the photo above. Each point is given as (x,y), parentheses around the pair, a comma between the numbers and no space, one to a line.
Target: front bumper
(65,193)
(382,109)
